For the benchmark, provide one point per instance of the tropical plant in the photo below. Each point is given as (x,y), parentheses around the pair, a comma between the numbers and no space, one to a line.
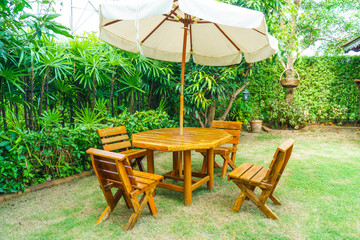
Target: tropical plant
(209,86)
(130,85)
(53,63)
(88,117)
(9,81)
(120,65)
(92,68)
(51,118)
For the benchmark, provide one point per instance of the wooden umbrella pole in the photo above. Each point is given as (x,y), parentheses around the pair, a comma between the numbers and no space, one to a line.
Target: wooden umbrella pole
(183,77)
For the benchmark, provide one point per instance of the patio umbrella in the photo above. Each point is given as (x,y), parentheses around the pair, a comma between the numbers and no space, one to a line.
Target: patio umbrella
(214,33)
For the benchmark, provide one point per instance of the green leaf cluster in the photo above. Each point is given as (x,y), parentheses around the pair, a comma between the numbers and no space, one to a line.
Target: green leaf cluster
(326,92)
(32,157)
(142,121)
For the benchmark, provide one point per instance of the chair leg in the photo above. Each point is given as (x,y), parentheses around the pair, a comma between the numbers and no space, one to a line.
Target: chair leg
(252,188)
(239,201)
(204,165)
(112,201)
(264,208)
(232,161)
(275,200)
(127,201)
(140,164)
(139,207)
(224,167)
(259,202)
(152,206)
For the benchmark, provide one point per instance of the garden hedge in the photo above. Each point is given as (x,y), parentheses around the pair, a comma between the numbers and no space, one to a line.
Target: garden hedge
(326,89)
(31,157)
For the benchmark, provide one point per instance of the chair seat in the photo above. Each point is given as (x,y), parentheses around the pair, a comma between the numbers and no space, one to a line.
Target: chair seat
(250,173)
(147,176)
(134,153)
(219,150)
(143,180)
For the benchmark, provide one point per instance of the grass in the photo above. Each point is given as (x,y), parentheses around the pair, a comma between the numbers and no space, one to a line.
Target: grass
(319,191)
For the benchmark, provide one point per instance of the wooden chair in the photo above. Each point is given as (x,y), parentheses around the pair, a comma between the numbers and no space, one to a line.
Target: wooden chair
(116,139)
(234,128)
(249,176)
(113,170)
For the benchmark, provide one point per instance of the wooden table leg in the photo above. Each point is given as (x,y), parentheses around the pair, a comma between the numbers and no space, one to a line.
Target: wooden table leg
(210,168)
(150,161)
(176,163)
(187,178)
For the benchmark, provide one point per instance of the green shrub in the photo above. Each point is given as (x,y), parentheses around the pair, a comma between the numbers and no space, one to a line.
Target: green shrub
(29,157)
(142,121)
(326,88)
(246,111)
(284,115)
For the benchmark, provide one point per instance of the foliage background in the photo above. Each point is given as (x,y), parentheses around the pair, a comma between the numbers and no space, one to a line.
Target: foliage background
(326,92)
(31,157)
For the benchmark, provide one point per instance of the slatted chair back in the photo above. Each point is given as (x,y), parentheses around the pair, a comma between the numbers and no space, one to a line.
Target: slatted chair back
(233,128)
(114,138)
(110,169)
(279,162)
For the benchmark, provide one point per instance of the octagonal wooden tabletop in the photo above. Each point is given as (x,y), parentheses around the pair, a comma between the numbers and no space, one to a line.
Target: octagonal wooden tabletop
(169,139)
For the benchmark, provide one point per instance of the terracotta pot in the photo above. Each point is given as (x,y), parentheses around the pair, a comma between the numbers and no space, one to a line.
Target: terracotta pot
(256,126)
(289,82)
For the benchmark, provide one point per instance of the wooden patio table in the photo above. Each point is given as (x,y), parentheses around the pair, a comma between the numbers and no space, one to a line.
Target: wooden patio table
(170,140)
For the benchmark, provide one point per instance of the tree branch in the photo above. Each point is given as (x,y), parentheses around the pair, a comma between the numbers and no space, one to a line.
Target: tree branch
(234,94)
(311,42)
(198,119)
(282,62)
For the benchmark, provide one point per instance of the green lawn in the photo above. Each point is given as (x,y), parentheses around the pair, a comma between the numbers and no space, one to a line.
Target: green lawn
(320,192)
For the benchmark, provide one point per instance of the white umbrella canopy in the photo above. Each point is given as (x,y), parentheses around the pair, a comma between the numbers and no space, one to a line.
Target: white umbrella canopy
(214,33)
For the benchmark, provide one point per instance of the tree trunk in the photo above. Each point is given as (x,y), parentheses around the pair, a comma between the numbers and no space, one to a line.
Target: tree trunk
(119,103)
(290,59)
(138,107)
(2,106)
(3,113)
(16,111)
(290,75)
(47,94)
(31,98)
(131,103)
(93,93)
(150,96)
(210,115)
(289,95)
(26,93)
(111,106)
(42,91)
(71,112)
(63,111)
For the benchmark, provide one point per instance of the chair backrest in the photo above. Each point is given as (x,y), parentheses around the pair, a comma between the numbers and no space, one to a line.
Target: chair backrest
(233,128)
(111,167)
(279,162)
(114,138)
